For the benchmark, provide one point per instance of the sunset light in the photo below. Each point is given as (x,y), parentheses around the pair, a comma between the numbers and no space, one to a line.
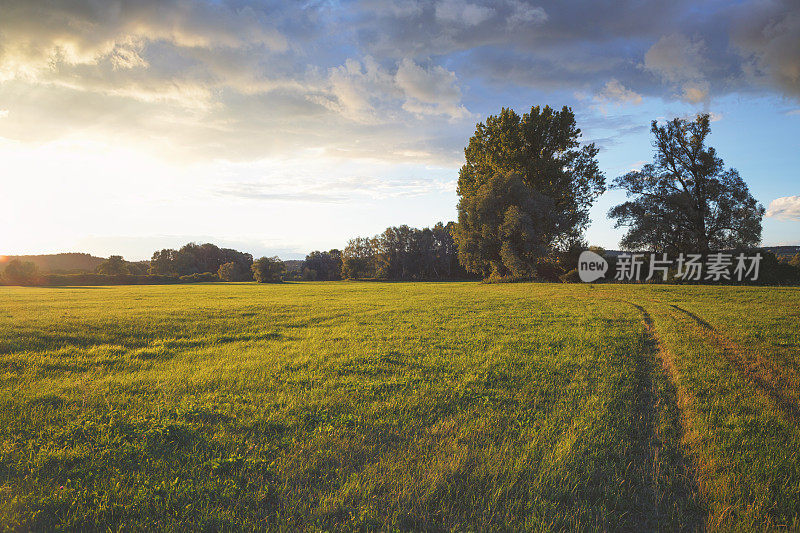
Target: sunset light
(400,265)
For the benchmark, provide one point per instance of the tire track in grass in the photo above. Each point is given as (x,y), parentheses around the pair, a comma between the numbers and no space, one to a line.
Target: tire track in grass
(663,431)
(662,428)
(765,376)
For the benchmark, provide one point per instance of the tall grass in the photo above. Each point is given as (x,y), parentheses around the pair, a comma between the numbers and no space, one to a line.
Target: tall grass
(366,406)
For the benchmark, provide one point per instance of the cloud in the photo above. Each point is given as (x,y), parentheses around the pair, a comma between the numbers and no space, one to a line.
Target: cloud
(195,79)
(366,92)
(682,62)
(785,208)
(676,58)
(661,49)
(356,89)
(462,13)
(523,14)
(767,35)
(39,35)
(244,79)
(617,93)
(339,190)
(431,91)
(182,51)
(254,191)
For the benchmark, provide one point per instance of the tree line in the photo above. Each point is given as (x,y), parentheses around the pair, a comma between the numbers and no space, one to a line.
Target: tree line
(404,253)
(525,192)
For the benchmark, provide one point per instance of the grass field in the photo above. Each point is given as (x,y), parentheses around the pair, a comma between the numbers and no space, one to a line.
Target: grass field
(408,406)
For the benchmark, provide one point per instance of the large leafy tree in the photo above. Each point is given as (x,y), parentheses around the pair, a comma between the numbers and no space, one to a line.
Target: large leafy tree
(324,265)
(526,189)
(233,271)
(114,265)
(197,258)
(20,272)
(358,259)
(397,253)
(268,270)
(506,227)
(686,201)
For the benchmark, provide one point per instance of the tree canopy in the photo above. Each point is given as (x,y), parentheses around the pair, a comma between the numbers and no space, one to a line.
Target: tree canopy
(525,190)
(20,272)
(195,258)
(268,270)
(358,259)
(114,265)
(323,266)
(686,201)
(506,227)
(233,271)
(404,253)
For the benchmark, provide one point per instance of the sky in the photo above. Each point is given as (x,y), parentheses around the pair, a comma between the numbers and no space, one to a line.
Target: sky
(285,127)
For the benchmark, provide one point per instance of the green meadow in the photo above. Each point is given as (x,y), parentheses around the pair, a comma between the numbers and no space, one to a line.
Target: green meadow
(345,406)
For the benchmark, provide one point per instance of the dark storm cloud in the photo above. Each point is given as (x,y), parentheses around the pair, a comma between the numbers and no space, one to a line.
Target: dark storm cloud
(687,50)
(767,35)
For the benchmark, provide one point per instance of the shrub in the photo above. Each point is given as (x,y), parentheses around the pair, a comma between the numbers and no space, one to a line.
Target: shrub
(199,278)
(104,279)
(570,277)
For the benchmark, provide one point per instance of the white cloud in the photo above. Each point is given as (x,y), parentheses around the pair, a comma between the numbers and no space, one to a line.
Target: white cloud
(523,13)
(786,208)
(339,190)
(432,91)
(185,53)
(368,93)
(615,92)
(41,36)
(356,90)
(462,13)
(3,113)
(127,57)
(244,79)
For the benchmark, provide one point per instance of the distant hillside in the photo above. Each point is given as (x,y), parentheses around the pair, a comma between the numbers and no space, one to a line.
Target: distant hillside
(783,251)
(62,263)
(74,263)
